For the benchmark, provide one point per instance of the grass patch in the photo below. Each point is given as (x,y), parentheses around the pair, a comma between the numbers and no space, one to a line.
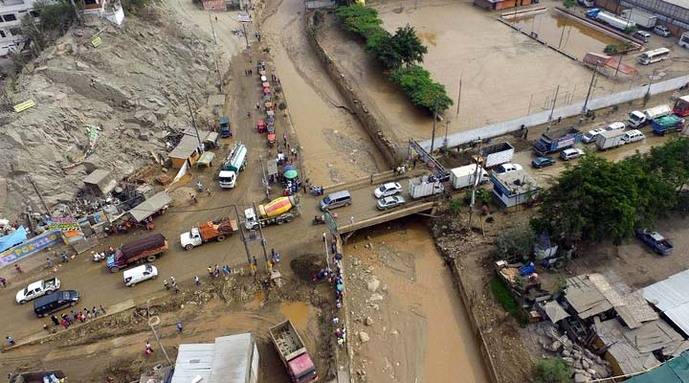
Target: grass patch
(503,295)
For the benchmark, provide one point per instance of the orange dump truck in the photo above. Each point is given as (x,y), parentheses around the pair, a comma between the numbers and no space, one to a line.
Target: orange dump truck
(278,211)
(212,230)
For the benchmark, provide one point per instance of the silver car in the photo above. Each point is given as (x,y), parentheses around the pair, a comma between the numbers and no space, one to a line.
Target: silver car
(390,202)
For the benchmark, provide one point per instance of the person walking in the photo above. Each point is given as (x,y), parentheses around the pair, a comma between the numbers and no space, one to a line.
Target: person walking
(102,310)
(56,321)
(197,281)
(95,313)
(17,268)
(180,328)
(3,282)
(167,287)
(210,271)
(149,350)
(10,340)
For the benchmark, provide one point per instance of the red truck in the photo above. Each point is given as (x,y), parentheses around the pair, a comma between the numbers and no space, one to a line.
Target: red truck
(293,353)
(144,249)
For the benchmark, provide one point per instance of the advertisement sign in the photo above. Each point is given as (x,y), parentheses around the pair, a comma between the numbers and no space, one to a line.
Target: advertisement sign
(32,246)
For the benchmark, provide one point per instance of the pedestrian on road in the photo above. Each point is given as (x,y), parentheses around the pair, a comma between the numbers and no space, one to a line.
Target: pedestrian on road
(17,268)
(173,283)
(180,328)
(56,321)
(102,310)
(3,282)
(216,271)
(258,105)
(149,350)
(167,287)
(210,271)
(226,271)
(351,220)
(50,262)
(65,258)
(197,281)
(95,313)
(10,341)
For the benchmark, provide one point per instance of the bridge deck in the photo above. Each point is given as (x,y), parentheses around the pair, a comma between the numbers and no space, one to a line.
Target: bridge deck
(386,216)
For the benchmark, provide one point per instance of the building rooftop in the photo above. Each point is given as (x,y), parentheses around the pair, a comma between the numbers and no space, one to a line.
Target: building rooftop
(228,360)
(672,371)
(516,182)
(150,206)
(670,296)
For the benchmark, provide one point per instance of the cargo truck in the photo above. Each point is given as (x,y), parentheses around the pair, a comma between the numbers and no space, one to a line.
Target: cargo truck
(610,139)
(293,353)
(278,211)
(497,154)
(546,144)
(465,176)
(642,19)
(638,119)
(681,107)
(234,163)
(212,230)
(145,249)
(224,127)
(666,124)
(610,19)
(425,186)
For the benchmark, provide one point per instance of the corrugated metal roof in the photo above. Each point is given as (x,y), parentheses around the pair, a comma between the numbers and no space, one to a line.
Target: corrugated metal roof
(228,360)
(150,206)
(670,296)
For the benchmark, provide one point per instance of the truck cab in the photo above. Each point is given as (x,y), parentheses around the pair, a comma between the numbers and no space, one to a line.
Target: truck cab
(191,239)
(636,119)
(224,127)
(251,222)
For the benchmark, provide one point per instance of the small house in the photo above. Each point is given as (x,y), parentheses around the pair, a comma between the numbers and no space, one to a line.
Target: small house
(514,188)
(496,5)
(100,182)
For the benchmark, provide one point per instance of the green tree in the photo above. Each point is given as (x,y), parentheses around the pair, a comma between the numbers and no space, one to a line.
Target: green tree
(359,19)
(408,45)
(515,243)
(671,162)
(569,3)
(56,17)
(551,370)
(387,53)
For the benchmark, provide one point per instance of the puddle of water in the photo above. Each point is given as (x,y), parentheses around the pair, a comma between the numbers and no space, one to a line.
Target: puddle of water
(297,312)
(570,35)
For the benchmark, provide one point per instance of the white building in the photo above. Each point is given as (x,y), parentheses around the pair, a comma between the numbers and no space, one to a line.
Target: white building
(11,14)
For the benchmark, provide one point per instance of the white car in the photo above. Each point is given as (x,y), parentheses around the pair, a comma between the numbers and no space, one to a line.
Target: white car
(37,289)
(633,136)
(662,30)
(139,274)
(571,153)
(590,136)
(388,189)
(507,168)
(617,125)
(390,202)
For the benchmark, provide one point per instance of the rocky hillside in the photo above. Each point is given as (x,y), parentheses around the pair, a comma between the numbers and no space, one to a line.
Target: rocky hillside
(130,90)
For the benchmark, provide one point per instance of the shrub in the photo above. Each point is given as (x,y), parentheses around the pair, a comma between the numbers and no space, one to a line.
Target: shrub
(551,370)
(422,90)
(455,206)
(516,242)
(569,3)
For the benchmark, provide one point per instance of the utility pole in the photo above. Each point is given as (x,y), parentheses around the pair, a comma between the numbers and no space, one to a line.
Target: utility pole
(479,160)
(246,37)
(552,109)
(38,193)
(241,233)
(193,121)
(435,118)
(263,242)
(588,93)
(210,19)
(152,322)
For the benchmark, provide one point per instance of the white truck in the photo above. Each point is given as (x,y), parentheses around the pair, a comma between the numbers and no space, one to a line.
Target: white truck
(234,163)
(465,176)
(497,154)
(684,40)
(37,289)
(425,186)
(638,119)
(610,19)
(641,18)
(610,139)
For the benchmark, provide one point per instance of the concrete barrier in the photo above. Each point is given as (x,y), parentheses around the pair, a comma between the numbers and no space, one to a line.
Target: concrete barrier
(506,127)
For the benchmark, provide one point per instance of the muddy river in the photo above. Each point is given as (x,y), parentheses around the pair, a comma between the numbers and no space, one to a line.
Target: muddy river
(420,331)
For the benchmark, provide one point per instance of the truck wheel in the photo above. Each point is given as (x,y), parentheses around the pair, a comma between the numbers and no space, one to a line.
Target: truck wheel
(151,258)
(114,269)
(73,304)
(48,292)
(188,247)
(221,238)
(41,315)
(21,302)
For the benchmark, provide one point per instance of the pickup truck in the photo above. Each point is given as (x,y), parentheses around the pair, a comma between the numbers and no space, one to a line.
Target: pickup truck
(654,241)
(37,289)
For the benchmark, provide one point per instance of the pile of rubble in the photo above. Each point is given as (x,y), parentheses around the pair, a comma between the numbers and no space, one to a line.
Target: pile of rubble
(584,364)
(108,106)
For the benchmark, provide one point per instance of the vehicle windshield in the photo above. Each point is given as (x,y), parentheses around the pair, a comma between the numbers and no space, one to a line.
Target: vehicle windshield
(226,179)
(149,268)
(327,200)
(26,291)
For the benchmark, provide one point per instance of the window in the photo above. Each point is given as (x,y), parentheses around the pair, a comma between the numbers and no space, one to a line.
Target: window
(9,17)
(2,34)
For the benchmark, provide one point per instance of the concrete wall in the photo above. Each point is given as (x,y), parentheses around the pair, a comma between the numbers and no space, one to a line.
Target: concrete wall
(363,108)
(505,127)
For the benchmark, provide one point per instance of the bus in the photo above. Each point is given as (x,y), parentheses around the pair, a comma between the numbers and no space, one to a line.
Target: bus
(684,40)
(681,107)
(653,56)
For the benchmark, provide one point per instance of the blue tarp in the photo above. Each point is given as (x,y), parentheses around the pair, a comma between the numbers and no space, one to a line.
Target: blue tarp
(14,238)
(675,370)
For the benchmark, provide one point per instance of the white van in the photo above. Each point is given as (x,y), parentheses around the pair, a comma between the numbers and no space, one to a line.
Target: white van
(633,136)
(653,56)
(139,274)
(684,40)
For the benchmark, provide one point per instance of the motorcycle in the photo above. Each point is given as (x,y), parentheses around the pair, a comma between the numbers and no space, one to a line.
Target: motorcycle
(320,219)
(199,187)
(316,190)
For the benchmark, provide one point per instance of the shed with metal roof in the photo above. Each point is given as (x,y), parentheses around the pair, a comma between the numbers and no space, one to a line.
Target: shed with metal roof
(231,359)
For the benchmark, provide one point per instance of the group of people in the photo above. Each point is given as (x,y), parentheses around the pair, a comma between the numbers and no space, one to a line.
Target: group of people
(66,320)
(215,271)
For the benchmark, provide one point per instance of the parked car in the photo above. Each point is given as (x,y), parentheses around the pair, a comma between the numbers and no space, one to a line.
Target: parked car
(642,35)
(541,162)
(617,125)
(139,274)
(655,241)
(590,136)
(54,302)
(388,189)
(507,168)
(390,202)
(633,136)
(662,30)
(571,153)
(37,289)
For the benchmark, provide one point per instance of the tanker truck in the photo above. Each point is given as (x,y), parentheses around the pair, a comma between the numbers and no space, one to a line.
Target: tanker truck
(278,211)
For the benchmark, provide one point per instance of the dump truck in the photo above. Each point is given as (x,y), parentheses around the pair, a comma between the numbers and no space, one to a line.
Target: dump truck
(146,249)
(293,353)
(666,124)
(278,211)
(497,154)
(610,139)
(217,230)
(465,176)
(638,119)
(546,144)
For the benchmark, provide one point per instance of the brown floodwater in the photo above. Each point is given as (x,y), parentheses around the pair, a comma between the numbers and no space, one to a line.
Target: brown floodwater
(431,337)
(567,34)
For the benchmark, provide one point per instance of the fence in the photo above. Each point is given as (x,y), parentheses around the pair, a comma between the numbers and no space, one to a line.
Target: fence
(505,127)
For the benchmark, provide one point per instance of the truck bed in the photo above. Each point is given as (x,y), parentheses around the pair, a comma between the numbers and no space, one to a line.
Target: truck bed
(287,340)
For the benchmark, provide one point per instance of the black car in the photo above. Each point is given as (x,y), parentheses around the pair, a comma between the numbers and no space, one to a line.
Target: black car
(54,302)
(541,162)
